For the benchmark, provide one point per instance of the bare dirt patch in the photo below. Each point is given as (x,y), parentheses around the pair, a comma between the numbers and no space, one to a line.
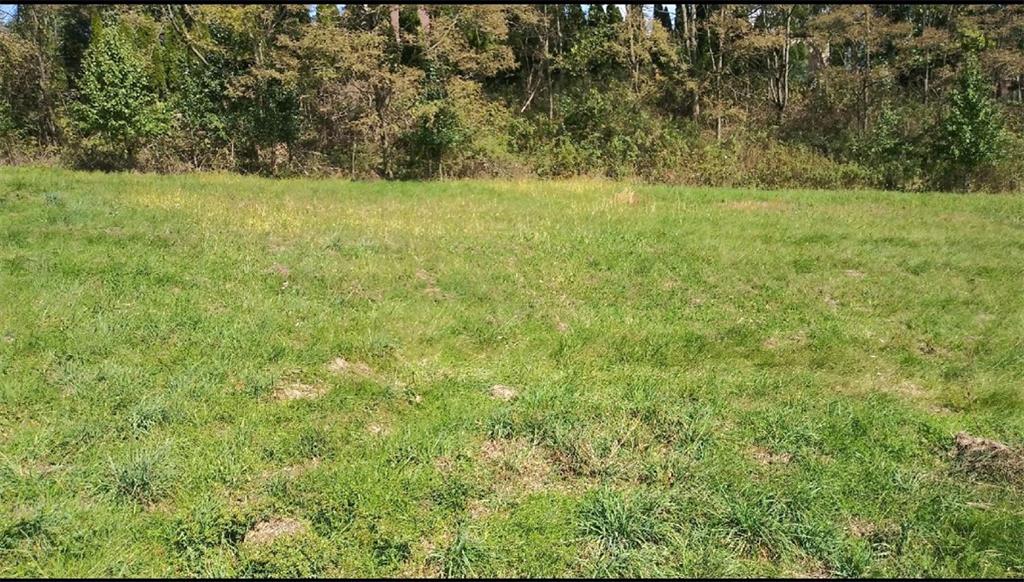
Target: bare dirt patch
(340,365)
(298,391)
(927,348)
(908,388)
(811,569)
(267,531)
(279,269)
(288,472)
(478,509)
(795,339)
(560,325)
(988,458)
(432,289)
(861,528)
(502,392)
(444,464)
(766,456)
(38,469)
(422,564)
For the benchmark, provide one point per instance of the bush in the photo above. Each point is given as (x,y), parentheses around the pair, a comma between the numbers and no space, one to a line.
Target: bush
(972,130)
(459,134)
(894,154)
(117,110)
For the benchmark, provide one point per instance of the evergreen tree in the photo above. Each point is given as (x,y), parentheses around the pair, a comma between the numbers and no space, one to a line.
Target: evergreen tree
(613,14)
(662,16)
(328,14)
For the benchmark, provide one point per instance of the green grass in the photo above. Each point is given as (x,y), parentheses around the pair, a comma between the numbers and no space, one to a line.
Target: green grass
(709,382)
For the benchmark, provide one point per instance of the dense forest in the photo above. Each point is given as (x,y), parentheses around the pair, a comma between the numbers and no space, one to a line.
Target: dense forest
(908,97)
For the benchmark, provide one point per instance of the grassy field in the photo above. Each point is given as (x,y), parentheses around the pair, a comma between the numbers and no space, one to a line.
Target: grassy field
(218,375)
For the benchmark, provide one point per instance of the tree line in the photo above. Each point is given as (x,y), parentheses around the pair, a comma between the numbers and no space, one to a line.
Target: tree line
(896,96)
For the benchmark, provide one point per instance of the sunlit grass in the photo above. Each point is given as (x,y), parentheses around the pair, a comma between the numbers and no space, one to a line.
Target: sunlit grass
(706,382)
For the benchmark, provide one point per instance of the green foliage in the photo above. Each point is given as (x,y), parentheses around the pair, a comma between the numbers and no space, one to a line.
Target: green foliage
(972,130)
(205,533)
(551,90)
(892,153)
(146,415)
(461,557)
(117,110)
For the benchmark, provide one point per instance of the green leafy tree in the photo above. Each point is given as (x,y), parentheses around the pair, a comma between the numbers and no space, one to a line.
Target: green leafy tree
(117,110)
(972,130)
(328,14)
(890,150)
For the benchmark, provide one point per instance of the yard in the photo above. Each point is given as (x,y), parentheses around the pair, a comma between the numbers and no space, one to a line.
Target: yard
(219,375)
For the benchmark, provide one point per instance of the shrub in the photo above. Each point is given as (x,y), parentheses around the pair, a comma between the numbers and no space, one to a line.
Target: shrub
(117,110)
(972,129)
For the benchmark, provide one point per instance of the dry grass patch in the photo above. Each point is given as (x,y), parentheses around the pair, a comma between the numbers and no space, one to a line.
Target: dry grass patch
(431,281)
(629,197)
(265,532)
(766,456)
(340,365)
(298,391)
(502,392)
(759,205)
(796,339)
(519,466)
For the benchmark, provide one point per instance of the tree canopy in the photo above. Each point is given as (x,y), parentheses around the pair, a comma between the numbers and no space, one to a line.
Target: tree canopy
(898,96)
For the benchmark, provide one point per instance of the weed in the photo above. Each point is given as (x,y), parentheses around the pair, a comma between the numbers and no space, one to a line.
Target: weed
(141,476)
(624,521)
(147,414)
(461,557)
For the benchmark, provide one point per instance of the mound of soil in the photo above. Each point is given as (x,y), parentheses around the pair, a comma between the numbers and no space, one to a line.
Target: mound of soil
(987,458)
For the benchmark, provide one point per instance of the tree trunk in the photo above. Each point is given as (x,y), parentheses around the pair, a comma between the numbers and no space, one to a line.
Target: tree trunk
(866,75)
(395,22)
(927,74)
(718,75)
(784,90)
(547,64)
(421,11)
